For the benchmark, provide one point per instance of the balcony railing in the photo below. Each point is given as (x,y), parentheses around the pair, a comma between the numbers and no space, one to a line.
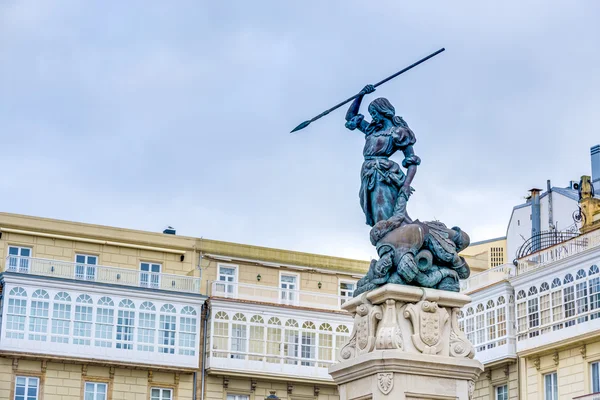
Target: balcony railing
(102,274)
(488,277)
(276,295)
(559,252)
(593,396)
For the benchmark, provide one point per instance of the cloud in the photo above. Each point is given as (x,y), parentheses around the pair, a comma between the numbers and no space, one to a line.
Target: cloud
(144,114)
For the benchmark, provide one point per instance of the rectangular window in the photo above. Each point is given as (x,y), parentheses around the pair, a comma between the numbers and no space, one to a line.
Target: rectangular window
(346,291)
(596,377)
(125,322)
(19,259)
(557,309)
(237,397)
(166,334)
(569,299)
(550,386)
(95,391)
(105,322)
(82,327)
(86,267)
(289,288)
(161,394)
(227,280)
(502,392)
(522,318)
(501,324)
(307,349)
(150,275)
(545,310)
(187,336)
(582,301)
(38,320)
(491,327)
(147,325)
(15,321)
(470,329)
(274,344)
(238,341)
(480,330)
(26,388)
(61,321)
(594,284)
(534,316)
(291,346)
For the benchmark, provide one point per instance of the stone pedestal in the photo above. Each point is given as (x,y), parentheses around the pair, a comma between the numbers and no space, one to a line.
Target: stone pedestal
(406,345)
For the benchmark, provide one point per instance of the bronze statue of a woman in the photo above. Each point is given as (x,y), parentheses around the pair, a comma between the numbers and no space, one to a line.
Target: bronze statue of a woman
(384,189)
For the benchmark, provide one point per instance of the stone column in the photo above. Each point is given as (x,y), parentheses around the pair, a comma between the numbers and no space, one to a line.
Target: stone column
(406,345)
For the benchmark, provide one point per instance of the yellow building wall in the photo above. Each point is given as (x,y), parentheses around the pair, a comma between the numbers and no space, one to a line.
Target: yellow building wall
(64,381)
(573,368)
(506,374)
(480,257)
(214,389)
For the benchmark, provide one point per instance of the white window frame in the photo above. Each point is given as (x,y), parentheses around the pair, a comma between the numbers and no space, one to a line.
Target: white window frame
(161,391)
(496,388)
(22,262)
(87,268)
(231,396)
(345,298)
(284,294)
(94,392)
(554,381)
(150,279)
(229,288)
(595,381)
(28,380)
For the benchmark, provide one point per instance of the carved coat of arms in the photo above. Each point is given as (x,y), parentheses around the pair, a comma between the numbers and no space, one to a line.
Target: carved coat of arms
(385,382)
(428,322)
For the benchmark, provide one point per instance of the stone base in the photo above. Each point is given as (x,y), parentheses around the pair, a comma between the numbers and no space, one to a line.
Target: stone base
(406,344)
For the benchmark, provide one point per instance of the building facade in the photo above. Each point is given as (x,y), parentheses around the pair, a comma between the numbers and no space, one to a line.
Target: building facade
(93,312)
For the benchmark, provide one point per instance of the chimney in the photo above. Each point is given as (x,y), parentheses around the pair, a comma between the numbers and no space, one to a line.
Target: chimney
(536,223)
(170,231)
(595,158)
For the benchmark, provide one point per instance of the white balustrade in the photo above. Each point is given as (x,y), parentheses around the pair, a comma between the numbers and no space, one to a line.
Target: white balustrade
(101,274)
(488,277)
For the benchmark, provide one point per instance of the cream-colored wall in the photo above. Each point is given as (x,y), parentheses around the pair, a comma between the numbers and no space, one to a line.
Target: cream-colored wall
(573,371)
(269,277)
(479,255)
(64,381)
(487,382)
(214,389)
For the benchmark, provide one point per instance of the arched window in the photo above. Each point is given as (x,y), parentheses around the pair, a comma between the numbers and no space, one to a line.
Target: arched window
(38,318)
(221,335)
(61,318)
(82,327)
(326,356)
(257,337)
(521,295)
(187,331)
(125,324)
(291,345)
(532,291)
(105,322)
(501,320)
(569,300)
(146,326)
(544,287)
(16,313)
(580,274)
(342,334)
(274,340)
(555,283)
(239,336)
(309,344)
(593,269)
(166,329)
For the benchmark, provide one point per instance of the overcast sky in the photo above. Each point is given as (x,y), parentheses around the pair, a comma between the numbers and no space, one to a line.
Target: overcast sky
(143,114)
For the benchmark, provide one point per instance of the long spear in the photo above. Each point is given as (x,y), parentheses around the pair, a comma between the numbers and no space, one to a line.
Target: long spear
(324,113)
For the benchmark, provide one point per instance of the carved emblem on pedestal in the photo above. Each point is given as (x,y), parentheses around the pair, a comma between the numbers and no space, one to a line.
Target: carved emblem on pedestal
(428,321)
(385,382)
(362,339)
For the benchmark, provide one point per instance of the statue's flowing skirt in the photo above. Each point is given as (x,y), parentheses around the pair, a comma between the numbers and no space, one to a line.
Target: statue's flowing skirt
(381,179)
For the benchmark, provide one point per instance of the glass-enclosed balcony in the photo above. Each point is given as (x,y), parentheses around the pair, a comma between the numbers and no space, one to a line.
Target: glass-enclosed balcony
(102,274)
(272,342)
(488,277)
(276,295)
